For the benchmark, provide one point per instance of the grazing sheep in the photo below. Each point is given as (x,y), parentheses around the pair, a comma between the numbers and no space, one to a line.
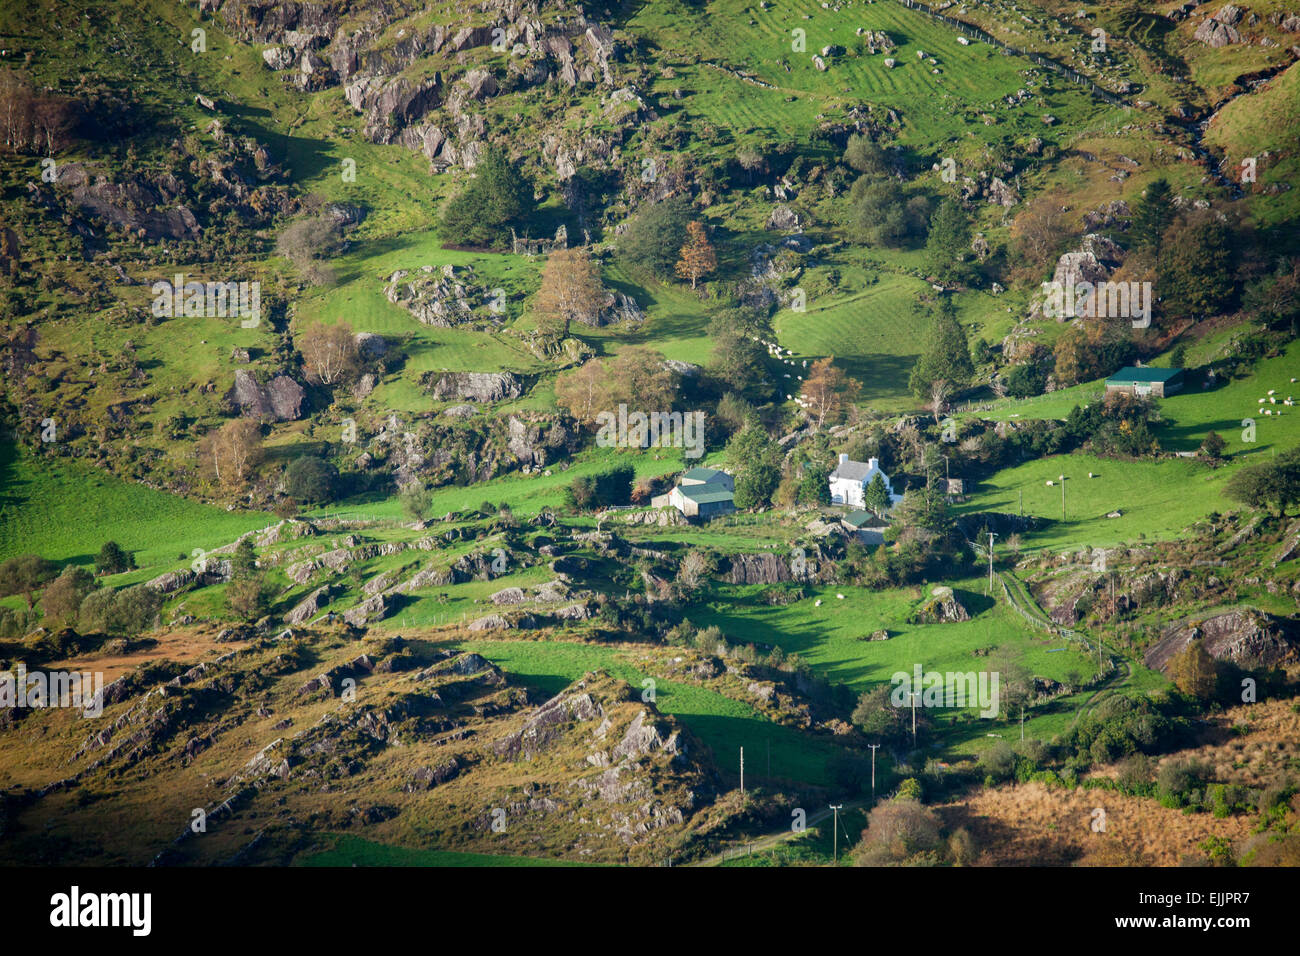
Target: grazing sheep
(1051,484)
(1091,475)
(840,596)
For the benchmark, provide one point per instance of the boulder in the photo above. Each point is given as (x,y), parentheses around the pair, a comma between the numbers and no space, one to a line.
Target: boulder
(477,386)
(280,399)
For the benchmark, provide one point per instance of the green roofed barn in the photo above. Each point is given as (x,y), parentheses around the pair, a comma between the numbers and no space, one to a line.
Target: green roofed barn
(1141,380)
(704,493)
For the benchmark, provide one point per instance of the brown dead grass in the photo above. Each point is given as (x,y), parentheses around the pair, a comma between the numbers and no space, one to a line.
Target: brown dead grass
(1031,824)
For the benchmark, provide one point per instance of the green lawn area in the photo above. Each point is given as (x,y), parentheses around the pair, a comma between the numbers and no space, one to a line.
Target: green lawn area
(64,511)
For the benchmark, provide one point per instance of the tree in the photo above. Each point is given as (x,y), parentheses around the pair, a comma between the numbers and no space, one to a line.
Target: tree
(756,460)
(826,390)
(25,575)
(310,479)
(697,256)
(584,391)
(899,831)
(1196,270)
(1088,350)
(126,612)
(307,241)
(329,352)
(1026,381)
(1038,236)
(571,291)
(243,562)
(1152,215)
(876,495)
(61,600)
(497,197)
(639,376)
(1213,446)
(655,237)
(112,559)
(739,359)
(1194,671)
(948,242)
(879,214)
(417,501)
(233,451)
(946,356)
(1274,484)
(864,156)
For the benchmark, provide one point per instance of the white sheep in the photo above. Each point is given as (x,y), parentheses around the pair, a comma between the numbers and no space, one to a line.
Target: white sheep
(1051,484)
(1091,475)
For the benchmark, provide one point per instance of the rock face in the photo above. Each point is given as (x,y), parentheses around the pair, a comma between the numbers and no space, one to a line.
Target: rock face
(1216,32)
(770,569)
(309,606)
(548,723)
(1245,636)
(942,606)
(280,399)
(443,298)
(477,387)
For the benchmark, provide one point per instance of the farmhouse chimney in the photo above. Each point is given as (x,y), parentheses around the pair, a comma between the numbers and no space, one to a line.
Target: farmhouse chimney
(874,464)
(843,458)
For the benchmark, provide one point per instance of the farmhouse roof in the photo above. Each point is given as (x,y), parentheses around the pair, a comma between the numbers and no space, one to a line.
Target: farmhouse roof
(856,470)
(708,493)
(703,475)
(1143,375)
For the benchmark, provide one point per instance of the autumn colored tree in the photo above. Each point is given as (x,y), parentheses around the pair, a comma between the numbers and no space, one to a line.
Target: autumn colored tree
(826,390)
(583,391)
(329,352)
(571,291)
(1194,671)
(640,377)
(233,451)
(697,258)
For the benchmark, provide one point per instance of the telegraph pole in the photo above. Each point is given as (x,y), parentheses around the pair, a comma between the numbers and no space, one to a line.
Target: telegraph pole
(873,769)
(742,772)
(914,694)
(835,853)
(991,536)
(1062,497)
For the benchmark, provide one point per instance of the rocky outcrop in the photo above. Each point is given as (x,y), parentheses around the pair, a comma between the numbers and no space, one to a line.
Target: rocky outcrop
(1246,636)
(548,723)
(309,607)
(280,399)
(476,387)
(942,606)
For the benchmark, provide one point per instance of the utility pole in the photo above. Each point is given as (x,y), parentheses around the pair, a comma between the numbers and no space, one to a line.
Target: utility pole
(992,535)
(742,772)
(873,769)
(1022,502)
(835,853)
(1062,497)
(914,694)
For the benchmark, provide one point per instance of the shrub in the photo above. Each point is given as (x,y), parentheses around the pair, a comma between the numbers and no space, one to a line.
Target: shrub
(112,559)
(311,479)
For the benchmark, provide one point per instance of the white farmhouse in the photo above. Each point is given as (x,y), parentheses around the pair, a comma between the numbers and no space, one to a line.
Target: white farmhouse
(850,479)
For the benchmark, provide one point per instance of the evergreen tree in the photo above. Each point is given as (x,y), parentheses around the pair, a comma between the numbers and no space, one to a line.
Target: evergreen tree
(498,197)
(949,242)
(1196,271)
(946,356)
(757,461)
(112,559)
(1152,216)
(876,495)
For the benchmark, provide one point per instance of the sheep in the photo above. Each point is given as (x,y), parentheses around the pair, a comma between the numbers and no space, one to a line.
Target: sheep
(1051,484)
(1091,475)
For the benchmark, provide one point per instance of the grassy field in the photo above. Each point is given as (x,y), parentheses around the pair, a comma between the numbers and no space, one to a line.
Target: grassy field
(354,851)
(65,511)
